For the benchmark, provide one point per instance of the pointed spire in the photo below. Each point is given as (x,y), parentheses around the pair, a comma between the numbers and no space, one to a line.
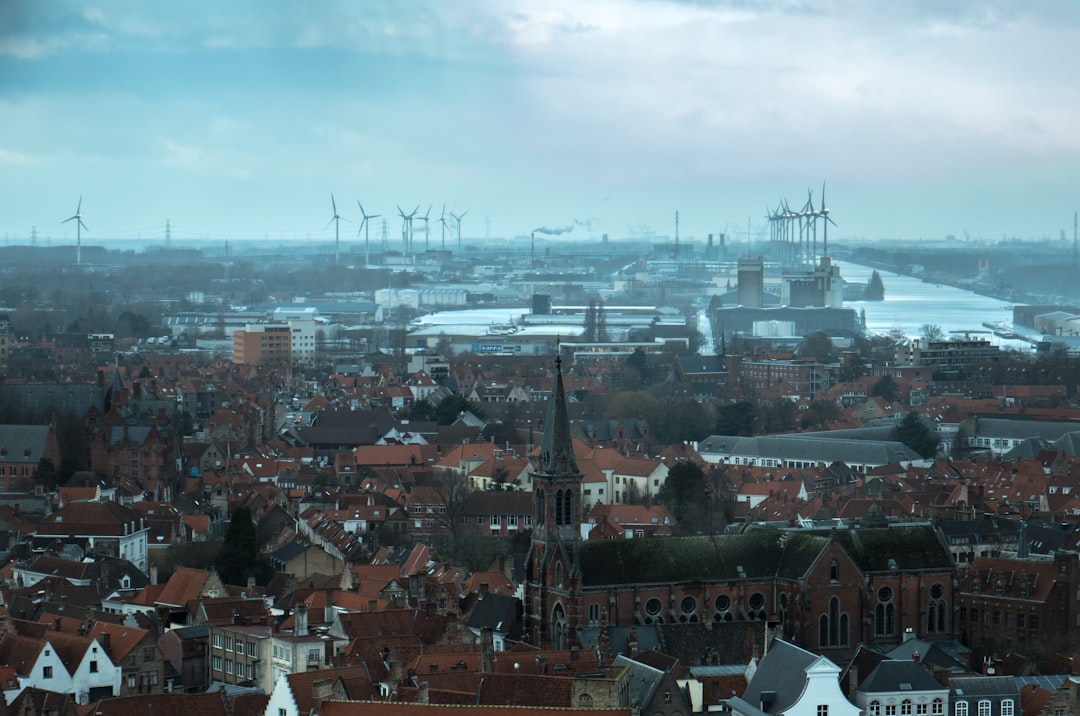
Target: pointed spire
(557,449)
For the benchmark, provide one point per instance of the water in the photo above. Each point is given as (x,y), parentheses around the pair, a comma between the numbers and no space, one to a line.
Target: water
(910,302)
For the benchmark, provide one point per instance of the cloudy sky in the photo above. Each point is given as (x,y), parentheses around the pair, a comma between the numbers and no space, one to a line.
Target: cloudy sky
(240,118)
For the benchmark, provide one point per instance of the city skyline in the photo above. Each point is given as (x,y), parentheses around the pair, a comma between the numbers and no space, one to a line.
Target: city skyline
(924,119)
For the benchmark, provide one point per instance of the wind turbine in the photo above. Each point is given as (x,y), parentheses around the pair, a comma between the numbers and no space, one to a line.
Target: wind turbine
(406,227)
(458,219)
(825,214)
(336,221)
(79,226)
(366,228)
(427,230)
(442,220)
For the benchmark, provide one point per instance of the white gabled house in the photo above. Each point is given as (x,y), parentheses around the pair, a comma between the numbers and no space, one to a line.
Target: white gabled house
(795,682)
(64,663)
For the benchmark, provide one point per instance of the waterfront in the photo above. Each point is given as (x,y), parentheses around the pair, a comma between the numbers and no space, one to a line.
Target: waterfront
(910,302)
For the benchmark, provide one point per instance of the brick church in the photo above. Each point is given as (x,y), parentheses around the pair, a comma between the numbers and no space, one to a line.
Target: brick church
(828,591)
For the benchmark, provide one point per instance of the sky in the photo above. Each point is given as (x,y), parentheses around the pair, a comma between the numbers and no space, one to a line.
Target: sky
(241,119)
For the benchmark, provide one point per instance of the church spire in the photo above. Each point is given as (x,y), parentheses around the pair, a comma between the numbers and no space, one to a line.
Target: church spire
(557,448)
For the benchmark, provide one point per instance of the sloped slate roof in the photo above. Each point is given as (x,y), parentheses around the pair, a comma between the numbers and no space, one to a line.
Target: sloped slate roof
(889,548)
(891,676)
(783,671)
(757,554)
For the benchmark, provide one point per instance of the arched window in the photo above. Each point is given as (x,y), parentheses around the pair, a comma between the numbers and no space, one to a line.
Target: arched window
(540,506)
(905,707)
(874,708)
(935,609)
(834,572)
(558,627)
(960,709)
(568,507)
(984,707)
(885,613)
(937,707)
(833,626)
(558,575)
(1007,707)
(558,507)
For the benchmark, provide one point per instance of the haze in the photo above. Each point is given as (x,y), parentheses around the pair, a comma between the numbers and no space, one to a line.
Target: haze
(239,119)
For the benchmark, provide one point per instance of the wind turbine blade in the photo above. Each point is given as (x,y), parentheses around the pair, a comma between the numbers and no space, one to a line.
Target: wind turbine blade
(361,207)
(67,220)
(83,225)
(79,207)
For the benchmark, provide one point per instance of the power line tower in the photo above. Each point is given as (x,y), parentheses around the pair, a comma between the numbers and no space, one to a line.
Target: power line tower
(168,233)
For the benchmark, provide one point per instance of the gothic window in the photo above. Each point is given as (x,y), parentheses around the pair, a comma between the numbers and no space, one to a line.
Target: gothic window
(885,613)
(756,603)
(834,572)
(652,610)
(540,507)
(935,609)
(722,605)
(568,507)
(558,575)
(688,606)
(558,507)
(558,628)
(833,626)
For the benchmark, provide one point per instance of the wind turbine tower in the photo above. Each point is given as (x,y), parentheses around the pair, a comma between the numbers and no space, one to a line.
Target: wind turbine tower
(458,218)
(365,226)
(79,226)
(427,229)
(442,220)
(336,221)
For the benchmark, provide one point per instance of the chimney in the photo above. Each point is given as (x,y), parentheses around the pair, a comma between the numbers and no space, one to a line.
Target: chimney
(852,681)
(487,650)
(153,574)
(915,657)
(106,643)
(773,630)
(909,634)
(300,627)
(422,692)
(235,617)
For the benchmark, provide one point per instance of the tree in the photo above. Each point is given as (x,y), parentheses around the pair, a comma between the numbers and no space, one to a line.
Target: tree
(931,332)
(735,418)
(239,556)
(817,346)
(885,387)
(914,433)
(450,407)
(638,373)
(683,490)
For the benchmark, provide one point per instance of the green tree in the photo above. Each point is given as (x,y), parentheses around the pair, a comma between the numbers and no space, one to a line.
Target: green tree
(885,387)
(683,490)
(914,433)
(239,556)
(450,407)
(735,418)
(638,373)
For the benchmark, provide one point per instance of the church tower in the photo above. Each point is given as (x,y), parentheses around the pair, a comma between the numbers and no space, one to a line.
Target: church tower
(550,610)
